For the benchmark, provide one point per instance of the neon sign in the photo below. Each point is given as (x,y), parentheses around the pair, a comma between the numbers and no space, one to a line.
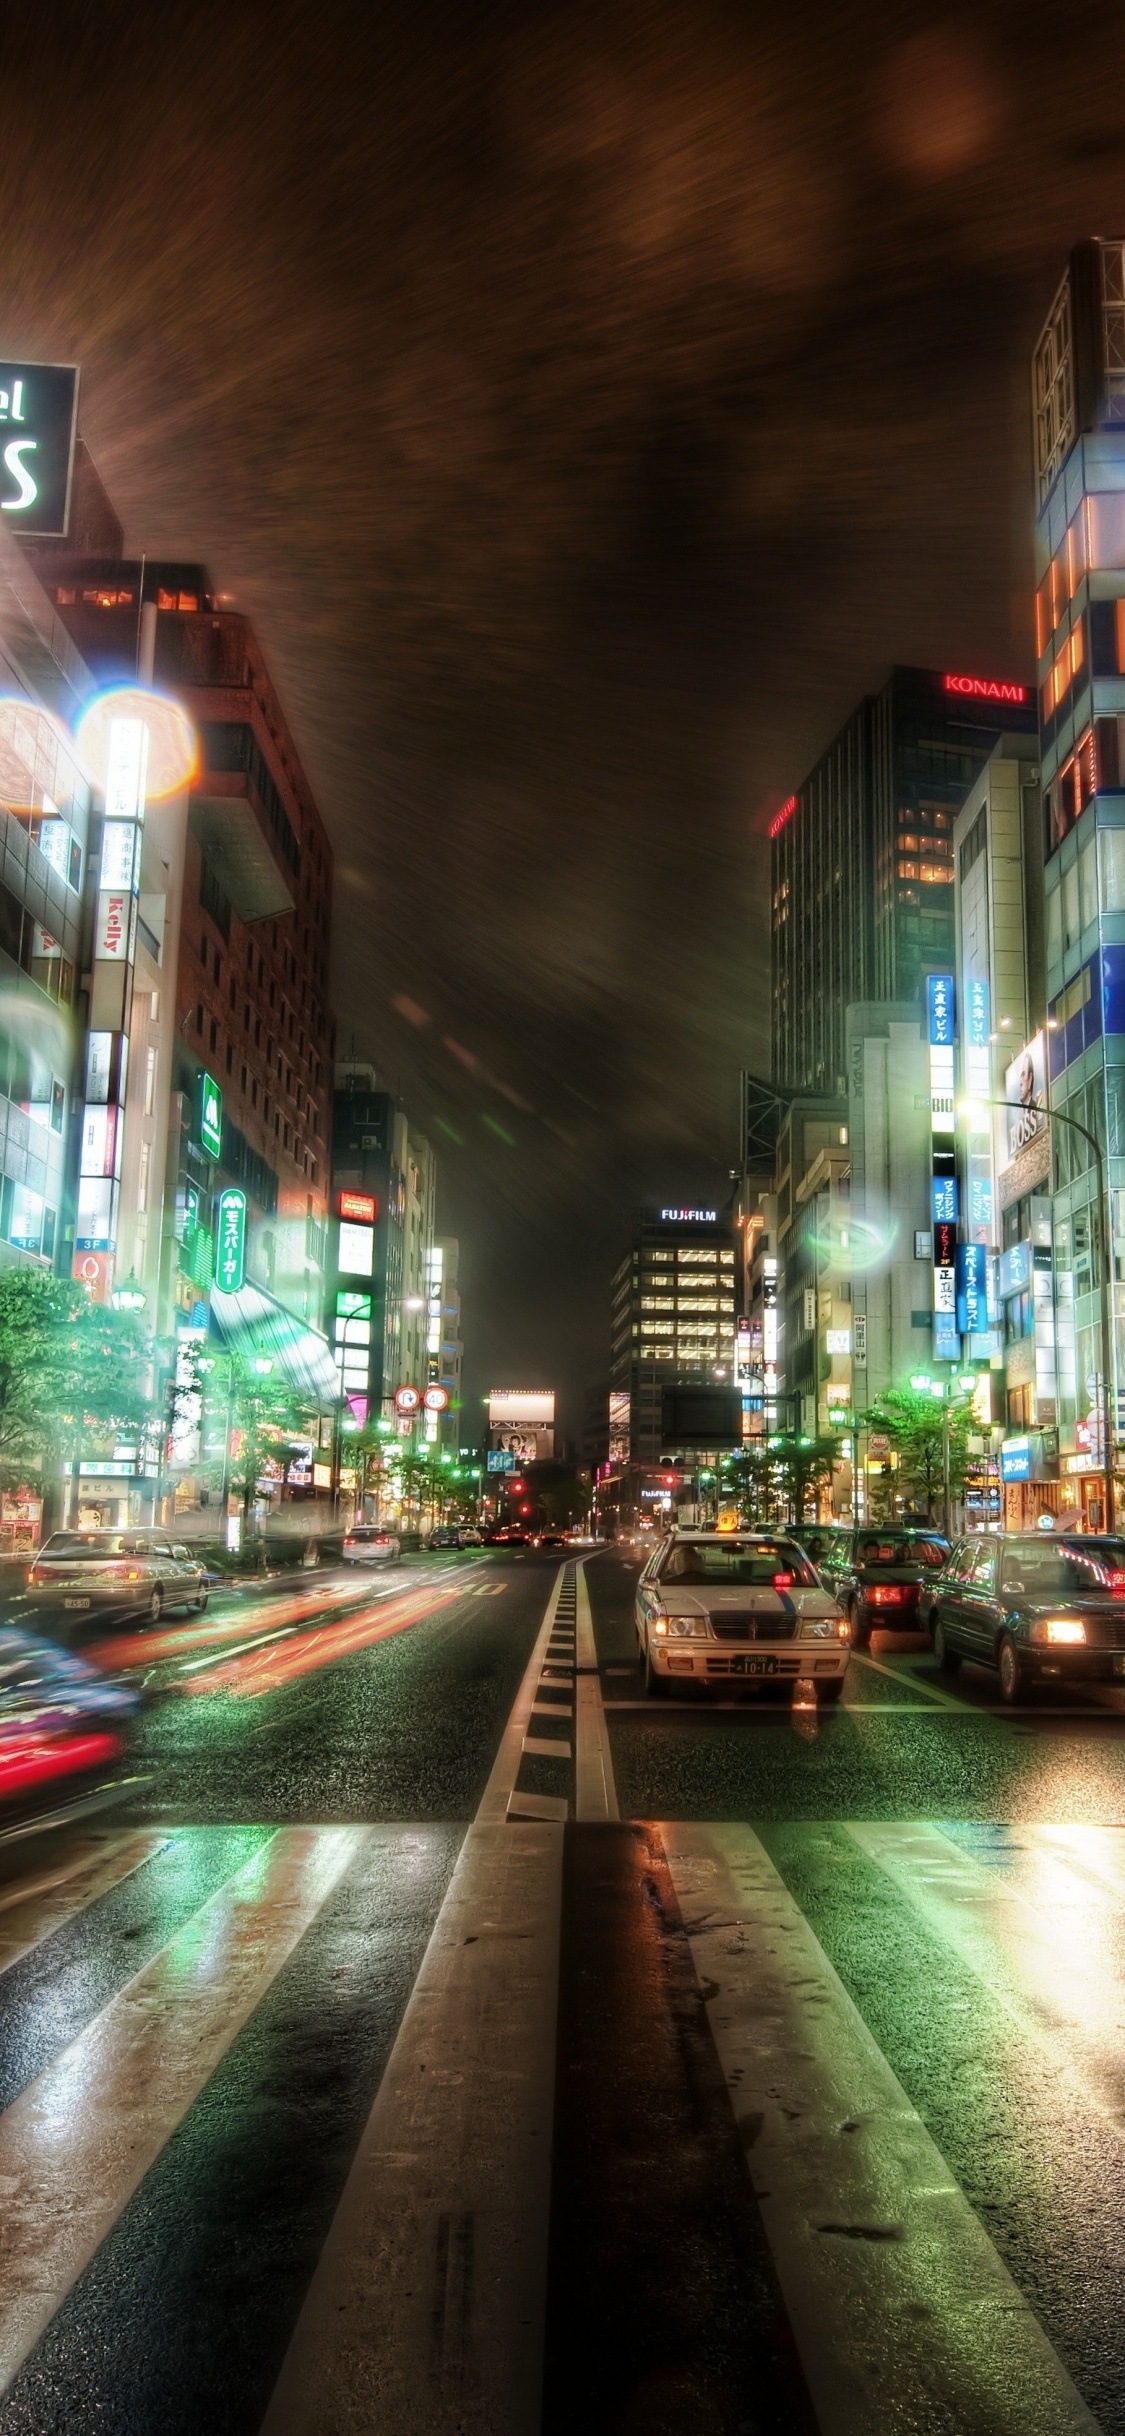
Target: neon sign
(788,808)
(983,689)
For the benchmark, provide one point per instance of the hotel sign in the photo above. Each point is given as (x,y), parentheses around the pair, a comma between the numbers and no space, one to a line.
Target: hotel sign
(38,423)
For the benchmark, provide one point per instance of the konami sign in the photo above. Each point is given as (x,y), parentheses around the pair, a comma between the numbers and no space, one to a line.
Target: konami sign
(985,689)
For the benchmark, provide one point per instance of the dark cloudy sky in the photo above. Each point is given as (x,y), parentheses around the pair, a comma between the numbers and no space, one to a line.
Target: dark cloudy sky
(587,403)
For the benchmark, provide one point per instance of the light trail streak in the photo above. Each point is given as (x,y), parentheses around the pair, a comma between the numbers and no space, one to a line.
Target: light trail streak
(165,1642)
(266,1670)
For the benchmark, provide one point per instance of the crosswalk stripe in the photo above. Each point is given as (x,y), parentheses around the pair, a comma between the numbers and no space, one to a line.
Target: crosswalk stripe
(1035,1934)
(77,2142)
(425,2315)
(31,1913)
(893,2288)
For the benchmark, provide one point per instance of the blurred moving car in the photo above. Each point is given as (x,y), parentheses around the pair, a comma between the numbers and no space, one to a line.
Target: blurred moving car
(65,1733)
(883,1575)
(712,1605)
(507,1535)
(1038,1610)
(369,1544)
(445,1536)
(130,1573)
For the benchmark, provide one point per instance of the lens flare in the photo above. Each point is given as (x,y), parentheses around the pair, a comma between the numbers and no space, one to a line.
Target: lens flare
(173,747)
(855,1245)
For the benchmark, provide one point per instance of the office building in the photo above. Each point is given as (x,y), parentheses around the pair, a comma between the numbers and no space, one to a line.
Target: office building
(862,860)
(386,1289)
(673,1320)
(1079,424)
(449,1348)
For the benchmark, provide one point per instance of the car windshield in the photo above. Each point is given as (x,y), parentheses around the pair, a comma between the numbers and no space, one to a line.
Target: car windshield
(736,1562)
(883,1548)
(95,1543)
(1041,1571)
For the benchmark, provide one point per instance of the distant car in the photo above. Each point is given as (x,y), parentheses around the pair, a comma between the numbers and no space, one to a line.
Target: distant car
(507,1535)
(552,1539)
(446,1536)
(884,1574)
(717,1606)
(369,1544)
(469,1537)
(135,1574)
(64,1733)
(1038,1610)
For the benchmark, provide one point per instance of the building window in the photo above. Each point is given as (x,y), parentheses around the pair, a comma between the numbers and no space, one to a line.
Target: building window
(199,1019)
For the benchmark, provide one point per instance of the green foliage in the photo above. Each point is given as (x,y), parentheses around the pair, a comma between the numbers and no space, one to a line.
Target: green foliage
(68,1368)
(265,1413)
(778,1480)
(911,1419)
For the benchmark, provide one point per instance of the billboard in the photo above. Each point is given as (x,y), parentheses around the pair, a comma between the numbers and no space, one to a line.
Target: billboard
(700,1416)
(1025,1084)
(38,421)
(521,1408)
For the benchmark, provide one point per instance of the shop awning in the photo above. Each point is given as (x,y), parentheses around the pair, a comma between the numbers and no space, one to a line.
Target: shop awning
(254,1324)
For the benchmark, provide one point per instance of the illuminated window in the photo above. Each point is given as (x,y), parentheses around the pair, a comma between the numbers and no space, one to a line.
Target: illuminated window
(657,1328)
(656,1302)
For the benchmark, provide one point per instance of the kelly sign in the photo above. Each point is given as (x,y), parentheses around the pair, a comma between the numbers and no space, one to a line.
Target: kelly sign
(38,420)
(230,1242)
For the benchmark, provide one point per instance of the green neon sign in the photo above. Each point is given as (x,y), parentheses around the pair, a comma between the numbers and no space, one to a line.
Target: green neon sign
(230,1242)
(210,1117)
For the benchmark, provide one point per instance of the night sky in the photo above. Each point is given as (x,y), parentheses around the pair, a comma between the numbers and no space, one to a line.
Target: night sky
(587,404)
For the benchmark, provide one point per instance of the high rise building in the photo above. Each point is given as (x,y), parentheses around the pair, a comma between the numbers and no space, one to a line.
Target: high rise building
(385,1282)
(210,1033)
(673,1320)
(862,859)
(1079,425)
(450,1349)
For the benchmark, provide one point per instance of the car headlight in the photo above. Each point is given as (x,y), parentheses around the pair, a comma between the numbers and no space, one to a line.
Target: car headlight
(1064,1629)
(686,1628)
(822,1628)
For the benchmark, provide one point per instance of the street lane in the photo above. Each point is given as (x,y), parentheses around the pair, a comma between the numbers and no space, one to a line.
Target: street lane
(837,2101)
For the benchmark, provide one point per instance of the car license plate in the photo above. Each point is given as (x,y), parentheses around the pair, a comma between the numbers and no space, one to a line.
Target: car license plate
(76,1602)
(753,1666)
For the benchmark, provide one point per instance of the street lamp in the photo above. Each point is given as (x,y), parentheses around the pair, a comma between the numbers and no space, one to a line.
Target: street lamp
(969,1108)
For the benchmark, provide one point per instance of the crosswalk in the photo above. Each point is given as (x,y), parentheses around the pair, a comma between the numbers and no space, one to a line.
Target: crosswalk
(919,2026)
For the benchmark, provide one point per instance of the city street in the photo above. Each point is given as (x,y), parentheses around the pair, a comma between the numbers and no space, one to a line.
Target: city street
(443,2036)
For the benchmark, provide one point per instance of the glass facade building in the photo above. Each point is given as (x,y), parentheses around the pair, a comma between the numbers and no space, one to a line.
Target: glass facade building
(862,865)
(1079,418)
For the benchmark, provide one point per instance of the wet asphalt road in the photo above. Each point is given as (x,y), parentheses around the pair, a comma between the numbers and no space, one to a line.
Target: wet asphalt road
(961,1871)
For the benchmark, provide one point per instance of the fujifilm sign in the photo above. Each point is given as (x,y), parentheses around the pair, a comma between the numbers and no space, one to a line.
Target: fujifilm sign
(689,1217)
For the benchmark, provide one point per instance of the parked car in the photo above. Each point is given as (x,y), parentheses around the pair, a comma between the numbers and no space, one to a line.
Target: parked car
(446,1535)
(135,1574)
(717,1606)
(369,1544)
(1039,1610)
(883,1574)
(64,1734)
(469,1537)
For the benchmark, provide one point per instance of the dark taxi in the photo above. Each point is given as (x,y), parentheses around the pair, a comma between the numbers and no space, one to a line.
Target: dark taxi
(883,1574)
(1038,1609)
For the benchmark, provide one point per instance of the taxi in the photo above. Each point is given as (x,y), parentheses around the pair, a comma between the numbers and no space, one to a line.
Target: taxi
(745,1608)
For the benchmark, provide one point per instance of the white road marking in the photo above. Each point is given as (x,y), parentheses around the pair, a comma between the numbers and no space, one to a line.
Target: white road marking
(892,2286)
(595,1794)
(927,1691)
(425,2315)
(1043,1935)
(76,2143)
(36,1908)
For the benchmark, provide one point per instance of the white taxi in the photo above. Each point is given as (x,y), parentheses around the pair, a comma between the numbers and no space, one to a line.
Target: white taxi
(739,1608)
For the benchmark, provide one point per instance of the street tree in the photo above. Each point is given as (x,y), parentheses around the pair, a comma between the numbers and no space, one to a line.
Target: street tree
(70,1369)
(910,1418)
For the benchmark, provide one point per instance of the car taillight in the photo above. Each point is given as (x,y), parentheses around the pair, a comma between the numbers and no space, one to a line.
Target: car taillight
(1117,1585)
(888,1594)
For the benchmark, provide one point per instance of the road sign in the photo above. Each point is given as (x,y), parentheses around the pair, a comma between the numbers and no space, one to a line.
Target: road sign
(436,1399)
(407,1399)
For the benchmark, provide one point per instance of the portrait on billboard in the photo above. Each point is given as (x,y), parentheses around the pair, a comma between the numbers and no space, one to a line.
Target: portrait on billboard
(1025,1089)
